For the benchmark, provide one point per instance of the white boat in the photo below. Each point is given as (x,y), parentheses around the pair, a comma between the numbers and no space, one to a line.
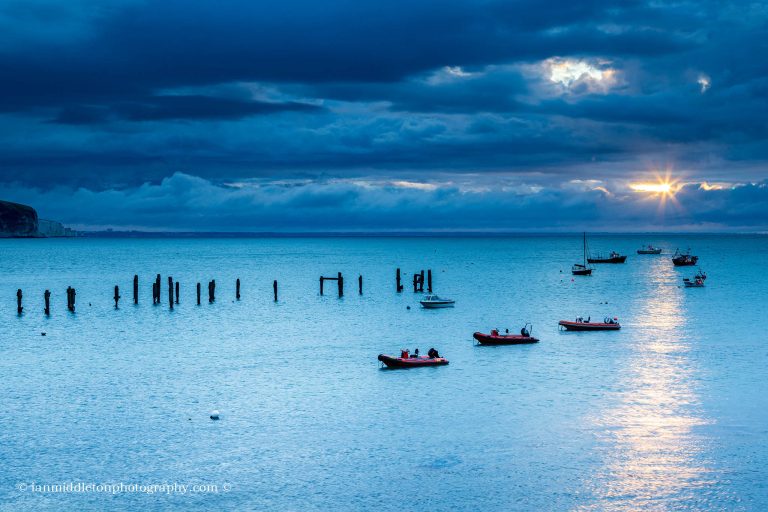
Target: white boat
(433,301)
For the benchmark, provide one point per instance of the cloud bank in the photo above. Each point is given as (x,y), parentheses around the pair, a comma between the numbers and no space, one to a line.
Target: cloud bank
(125,98)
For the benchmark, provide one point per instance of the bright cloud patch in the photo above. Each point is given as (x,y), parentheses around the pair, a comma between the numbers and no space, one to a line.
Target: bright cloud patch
(578,74)
(704,82)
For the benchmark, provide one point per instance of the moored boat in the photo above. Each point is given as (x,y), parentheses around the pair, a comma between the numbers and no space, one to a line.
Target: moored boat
(495,338)
(411,361)
(608,324)
(433,301)
(613,257)
(684,259)
(649,249)
(697,281)
(581,269)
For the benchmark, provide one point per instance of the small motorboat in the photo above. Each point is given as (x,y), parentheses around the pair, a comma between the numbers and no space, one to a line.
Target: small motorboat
(581,269)
(495,338)
(649,249)
(608,324)
(433,301)
(613,257)
(684,259)
(697,281)
(407,361)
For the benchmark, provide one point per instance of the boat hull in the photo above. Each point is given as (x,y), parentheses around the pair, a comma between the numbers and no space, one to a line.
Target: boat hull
(615,259)
(685,262)
(582,272)
(588,326)
(437,305)
(411,362)
(655,251)
(509,339)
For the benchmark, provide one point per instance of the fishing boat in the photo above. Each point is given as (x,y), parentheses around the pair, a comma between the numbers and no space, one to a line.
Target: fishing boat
(649,249)
(407,361)
(433,302)
(581,269)
(684,259)
(608,324)
(613,257)
(495,338)
(697,281)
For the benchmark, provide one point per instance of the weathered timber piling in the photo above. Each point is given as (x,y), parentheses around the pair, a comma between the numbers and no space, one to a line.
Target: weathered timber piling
(421,281)
(170,291)
(135,289)
(157,283)
(429,280)
(360,284)
(274,288)
(198,294)
(47,298)
(71,299)
(211,291)
(415,283)
(237,289)
(177,292)
(19,307)
(398,286)
(117,295)
(339,281)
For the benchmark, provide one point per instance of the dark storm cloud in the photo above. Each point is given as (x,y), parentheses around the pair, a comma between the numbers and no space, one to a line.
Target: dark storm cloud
(124,94)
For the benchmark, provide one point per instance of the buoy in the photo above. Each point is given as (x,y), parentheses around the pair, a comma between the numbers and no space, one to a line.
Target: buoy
(407,307)
(42,334)
(215,415)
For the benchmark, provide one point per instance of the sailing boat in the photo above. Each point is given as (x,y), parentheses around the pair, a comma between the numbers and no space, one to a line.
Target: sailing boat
(581,269)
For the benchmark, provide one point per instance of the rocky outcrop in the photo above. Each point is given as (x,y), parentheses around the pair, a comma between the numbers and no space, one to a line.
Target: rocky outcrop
(17,220)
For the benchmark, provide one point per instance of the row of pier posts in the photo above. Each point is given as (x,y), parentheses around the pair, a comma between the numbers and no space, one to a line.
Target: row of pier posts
(173,290)
(418,281)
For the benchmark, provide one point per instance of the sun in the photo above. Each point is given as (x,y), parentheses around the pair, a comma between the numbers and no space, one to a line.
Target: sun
(662,187)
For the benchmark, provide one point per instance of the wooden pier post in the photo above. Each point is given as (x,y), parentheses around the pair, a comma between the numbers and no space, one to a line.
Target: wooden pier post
(211,291)
(117,295)
(429,280)
(421,281)
(321,284)
(274,288)
(237,289)
(340,282)
(170,291)
(71,299)
(398,287)
(415,283)
(157,282)
(177,292)
(135,289)
(47,298)
(198,294)
(360,284)
(19,307)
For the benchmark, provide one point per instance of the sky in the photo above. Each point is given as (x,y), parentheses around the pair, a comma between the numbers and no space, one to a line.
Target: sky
(390,115)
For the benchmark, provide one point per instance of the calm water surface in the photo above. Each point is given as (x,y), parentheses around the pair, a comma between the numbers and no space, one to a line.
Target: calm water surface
(669,413)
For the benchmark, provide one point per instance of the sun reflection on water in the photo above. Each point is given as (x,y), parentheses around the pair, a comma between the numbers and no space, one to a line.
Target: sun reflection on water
(653,456)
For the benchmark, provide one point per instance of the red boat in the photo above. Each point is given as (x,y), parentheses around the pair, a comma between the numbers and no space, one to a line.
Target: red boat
(411,362)
(505,339)
(581,325)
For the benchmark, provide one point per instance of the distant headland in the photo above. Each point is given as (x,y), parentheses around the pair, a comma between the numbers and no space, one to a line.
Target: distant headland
(22,221)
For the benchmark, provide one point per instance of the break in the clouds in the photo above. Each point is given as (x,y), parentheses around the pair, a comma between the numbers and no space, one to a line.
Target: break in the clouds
(377,110)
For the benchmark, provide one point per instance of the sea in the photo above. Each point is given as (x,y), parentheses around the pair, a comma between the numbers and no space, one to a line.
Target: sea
(110,408)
